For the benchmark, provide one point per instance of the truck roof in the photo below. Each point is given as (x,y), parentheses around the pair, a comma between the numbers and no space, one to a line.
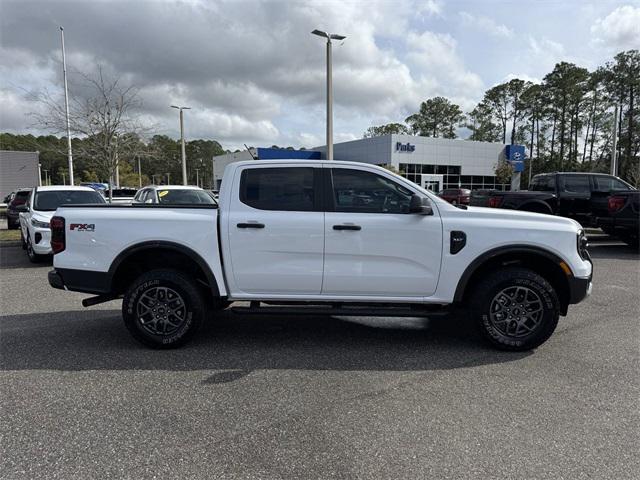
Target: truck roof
(51,188)
(174,187)
(299,161)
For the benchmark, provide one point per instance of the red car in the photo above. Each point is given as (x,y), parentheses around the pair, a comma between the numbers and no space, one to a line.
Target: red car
(456,196)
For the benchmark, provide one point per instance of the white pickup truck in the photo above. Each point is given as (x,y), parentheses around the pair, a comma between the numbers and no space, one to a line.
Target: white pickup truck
(322,237)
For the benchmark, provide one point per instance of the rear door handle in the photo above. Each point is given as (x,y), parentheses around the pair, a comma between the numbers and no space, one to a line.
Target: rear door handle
(347,227)
(250,225)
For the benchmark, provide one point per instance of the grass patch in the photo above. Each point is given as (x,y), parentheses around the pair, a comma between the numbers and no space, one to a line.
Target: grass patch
(9,235)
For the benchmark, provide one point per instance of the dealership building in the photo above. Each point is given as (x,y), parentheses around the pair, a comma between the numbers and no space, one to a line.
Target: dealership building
(433,163)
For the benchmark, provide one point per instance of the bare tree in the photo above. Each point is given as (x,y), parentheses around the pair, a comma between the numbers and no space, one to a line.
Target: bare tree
(104,117)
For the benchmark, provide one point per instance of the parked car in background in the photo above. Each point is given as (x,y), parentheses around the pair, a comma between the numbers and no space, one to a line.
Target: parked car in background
(297,237)
(121,195)
(456,196)
(173,195)
(622,218)
(567,194)
(13,207)
(40,206)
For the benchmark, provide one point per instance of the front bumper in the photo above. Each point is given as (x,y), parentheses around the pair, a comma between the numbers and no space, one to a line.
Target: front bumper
(579,289)
(41,241)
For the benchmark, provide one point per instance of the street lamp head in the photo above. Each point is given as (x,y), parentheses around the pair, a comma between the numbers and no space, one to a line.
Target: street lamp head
(320,33)
(175,106)
(334,36)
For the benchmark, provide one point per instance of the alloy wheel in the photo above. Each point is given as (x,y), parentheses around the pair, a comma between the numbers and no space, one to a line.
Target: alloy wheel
(516,311)
(161,311)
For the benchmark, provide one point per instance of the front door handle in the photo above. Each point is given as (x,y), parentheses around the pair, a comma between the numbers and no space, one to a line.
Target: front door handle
(250,225)
(347,227)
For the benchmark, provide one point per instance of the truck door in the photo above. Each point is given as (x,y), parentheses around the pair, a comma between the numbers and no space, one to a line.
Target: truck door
(275,231)
(574,193)
(373,246)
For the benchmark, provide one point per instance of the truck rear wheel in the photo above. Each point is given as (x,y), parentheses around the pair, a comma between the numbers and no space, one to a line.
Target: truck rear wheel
(516,309)
(163,308)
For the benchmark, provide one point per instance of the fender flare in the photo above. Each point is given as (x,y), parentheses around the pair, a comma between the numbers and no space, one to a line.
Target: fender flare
(493,253)
(165,245)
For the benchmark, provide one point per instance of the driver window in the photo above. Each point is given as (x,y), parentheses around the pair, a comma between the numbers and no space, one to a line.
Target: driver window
(358,191)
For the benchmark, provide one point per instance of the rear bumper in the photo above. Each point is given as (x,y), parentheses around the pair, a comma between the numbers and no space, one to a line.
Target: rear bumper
(84,281)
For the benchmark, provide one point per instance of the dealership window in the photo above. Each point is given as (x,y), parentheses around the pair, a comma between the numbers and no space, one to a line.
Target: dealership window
(365,192)
(451,176)
(286,189)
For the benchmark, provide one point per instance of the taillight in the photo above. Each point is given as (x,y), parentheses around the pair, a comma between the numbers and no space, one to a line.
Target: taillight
(616,203)
(494,202)
(57,234)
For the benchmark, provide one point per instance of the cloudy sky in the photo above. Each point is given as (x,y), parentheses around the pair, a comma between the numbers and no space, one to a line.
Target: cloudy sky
(253,73)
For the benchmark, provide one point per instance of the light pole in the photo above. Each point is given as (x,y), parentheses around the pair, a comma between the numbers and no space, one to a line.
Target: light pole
(66,106)
(614,150)
(139,173)
(197,177)
(184,155)
(329,37)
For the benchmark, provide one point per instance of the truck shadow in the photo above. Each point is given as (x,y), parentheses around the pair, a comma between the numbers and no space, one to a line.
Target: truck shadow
(16,257)
(232,346)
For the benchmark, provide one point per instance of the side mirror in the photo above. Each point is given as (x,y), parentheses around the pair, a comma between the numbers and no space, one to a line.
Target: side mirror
(22,208)
(420,205)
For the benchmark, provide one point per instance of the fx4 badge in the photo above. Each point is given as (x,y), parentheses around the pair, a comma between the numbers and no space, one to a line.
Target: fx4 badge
(82,227)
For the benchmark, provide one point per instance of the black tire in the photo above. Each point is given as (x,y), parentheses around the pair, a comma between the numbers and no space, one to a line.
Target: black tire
(33,256)
(12,225)
(631,240)
(508,293)
(151,308)
(608,230)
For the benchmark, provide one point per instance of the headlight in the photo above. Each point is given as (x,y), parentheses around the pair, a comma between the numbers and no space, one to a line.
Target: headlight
(583,245)
(39,224)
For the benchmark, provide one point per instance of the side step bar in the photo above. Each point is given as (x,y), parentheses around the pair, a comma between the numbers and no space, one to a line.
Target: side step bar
(343,310)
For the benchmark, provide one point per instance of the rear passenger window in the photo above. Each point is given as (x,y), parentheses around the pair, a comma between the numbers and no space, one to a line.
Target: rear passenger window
(546,183)
(288,189)
(575,183)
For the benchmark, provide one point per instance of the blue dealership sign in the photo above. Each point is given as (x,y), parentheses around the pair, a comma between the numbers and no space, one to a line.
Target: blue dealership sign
(515,156)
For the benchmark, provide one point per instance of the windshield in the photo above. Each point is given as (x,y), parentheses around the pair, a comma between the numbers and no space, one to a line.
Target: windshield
(50,201)
(185,197)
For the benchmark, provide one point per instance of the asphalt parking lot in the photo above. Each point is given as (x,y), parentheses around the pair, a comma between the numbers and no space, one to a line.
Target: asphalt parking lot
(257,397)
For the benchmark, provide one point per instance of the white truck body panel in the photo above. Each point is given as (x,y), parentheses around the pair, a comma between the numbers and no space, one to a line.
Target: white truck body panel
(299,256)
(117,229)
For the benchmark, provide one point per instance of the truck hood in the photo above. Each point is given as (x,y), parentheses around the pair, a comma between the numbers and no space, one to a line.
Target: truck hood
(542,220)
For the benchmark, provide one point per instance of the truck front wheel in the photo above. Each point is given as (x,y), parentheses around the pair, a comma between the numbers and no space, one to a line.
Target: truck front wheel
(163,308)
(516,309)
